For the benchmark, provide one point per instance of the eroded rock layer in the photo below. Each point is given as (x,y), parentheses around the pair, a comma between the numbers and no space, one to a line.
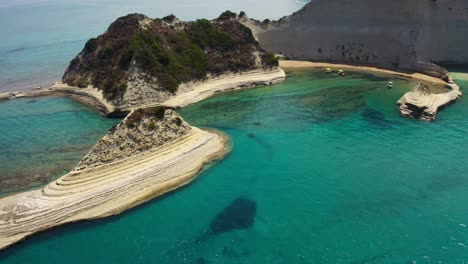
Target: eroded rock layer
(421,103)
(109,181)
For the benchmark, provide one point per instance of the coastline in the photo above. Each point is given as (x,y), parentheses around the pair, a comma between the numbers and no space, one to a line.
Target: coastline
(417,103)
(199,91)
(293,64)
(109,189)
(189,93)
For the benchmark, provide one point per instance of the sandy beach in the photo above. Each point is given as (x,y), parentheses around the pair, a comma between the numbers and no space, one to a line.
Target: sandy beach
(291,64)
(109,189)
(228,82)
(429,101)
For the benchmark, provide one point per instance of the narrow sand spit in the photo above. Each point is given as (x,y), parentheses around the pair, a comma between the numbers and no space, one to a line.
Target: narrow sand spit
(189,93)
(201,90)
(108,189)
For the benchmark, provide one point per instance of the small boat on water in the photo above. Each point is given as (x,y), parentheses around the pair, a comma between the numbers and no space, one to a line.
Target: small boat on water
(341,73)
(328,70)
(390,85)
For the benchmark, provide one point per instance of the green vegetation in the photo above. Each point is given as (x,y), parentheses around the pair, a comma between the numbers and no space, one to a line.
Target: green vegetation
(159,112)
(91,45)
(271,59)
(172,64)
(169,18)
(82,82)
(206,35)
(151,126)
(226,15)
(170,54)
(242,14)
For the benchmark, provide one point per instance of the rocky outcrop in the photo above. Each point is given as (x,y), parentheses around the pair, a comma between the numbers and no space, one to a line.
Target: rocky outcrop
(400,34)
(140,131)
(123,170)
(421,103)
(139,60)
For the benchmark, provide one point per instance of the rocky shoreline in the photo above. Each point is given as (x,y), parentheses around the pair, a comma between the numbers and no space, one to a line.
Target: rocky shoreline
(150,152)
(98,189)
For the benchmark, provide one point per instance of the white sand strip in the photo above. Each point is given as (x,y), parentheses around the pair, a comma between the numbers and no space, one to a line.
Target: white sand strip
(291,64)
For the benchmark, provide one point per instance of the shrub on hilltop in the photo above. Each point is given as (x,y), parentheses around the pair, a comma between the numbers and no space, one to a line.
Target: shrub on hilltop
(169,53)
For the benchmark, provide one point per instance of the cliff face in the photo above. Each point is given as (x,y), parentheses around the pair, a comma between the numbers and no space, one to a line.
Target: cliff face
(139,59)
(393,34)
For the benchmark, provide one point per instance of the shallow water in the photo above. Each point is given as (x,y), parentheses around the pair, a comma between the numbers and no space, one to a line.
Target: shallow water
(43,138)
(335,175)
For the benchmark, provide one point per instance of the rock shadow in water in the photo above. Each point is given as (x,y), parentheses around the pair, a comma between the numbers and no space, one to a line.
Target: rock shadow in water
(377,119)
(239,214)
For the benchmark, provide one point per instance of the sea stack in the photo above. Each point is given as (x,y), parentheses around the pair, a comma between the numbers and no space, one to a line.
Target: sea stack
(421,103)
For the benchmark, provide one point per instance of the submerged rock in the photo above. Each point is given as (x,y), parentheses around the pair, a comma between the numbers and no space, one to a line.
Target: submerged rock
(240,214)
(421,103)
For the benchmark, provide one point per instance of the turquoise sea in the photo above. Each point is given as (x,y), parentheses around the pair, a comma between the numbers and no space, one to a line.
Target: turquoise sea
(43,138)
(40,37)
(336,176)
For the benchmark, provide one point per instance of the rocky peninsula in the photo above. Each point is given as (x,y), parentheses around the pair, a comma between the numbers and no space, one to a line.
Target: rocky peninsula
(149,153)
(140,61)
(142,69)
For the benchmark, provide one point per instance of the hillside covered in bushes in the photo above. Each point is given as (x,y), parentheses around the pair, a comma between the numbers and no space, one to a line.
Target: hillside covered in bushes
(165,53)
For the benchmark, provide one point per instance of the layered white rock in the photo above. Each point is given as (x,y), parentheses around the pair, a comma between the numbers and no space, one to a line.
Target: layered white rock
(422,104)
(107,184)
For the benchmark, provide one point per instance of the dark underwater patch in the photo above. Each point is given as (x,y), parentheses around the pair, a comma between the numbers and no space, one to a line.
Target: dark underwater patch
(334,103)
(240,214)
(377,118)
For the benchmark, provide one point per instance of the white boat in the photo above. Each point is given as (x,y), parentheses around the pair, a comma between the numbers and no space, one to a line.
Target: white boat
(390,84)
